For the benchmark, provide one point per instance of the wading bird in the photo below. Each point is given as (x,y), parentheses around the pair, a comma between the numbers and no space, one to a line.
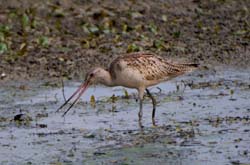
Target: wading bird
(135,70)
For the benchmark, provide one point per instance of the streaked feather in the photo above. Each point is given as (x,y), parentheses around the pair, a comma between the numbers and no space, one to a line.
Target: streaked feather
(152,67)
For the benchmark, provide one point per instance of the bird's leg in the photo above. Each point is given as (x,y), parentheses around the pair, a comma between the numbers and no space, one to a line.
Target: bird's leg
(140,110)
(140,115)
(154,105)
(141,94)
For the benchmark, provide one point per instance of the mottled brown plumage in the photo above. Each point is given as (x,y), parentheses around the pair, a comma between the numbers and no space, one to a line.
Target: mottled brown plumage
(135,70)
(154,69)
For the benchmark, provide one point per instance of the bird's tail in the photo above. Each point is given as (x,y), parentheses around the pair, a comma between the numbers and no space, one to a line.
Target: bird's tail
(188,67)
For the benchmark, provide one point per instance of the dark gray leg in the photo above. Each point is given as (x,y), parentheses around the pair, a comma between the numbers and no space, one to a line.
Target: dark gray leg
(154,105)
(140,115)
(140,110)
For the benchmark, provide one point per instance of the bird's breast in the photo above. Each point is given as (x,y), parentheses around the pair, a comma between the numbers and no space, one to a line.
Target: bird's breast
(128,77)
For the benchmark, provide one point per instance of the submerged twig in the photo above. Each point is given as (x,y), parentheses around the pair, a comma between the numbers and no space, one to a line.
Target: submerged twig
(63,91)
(160,90)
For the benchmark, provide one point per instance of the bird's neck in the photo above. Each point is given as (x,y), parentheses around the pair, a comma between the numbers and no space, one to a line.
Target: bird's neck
(107,79)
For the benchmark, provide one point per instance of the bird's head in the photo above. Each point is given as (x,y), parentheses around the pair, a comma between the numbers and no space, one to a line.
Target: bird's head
(94,76)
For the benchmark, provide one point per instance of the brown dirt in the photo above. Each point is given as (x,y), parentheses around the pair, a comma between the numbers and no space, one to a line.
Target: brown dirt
(50,39)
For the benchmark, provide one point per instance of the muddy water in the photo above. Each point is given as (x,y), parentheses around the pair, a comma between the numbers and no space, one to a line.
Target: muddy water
(201,118)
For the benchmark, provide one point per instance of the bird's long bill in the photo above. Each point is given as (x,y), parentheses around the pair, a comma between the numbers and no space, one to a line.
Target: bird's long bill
(80,92)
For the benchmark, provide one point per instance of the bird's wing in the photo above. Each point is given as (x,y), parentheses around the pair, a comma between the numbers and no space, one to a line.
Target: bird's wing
(157,68)
(150,66)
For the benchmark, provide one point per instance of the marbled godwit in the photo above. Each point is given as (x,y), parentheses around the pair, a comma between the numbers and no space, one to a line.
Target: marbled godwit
(136,70)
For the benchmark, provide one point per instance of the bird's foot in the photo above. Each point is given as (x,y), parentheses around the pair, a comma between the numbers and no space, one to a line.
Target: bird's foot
(153,122)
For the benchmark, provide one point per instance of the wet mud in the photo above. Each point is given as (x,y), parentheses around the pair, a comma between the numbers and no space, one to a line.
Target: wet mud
(202,118)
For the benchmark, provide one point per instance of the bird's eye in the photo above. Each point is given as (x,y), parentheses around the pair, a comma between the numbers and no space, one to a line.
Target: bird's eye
(91,75)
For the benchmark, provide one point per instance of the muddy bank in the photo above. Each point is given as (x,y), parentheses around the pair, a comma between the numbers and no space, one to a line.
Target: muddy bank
(50,39)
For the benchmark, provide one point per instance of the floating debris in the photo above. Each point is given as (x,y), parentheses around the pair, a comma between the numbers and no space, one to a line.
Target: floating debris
(92,101)
(22,119)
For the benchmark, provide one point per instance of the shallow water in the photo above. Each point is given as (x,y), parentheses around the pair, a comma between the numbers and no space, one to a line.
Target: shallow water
(205,121)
